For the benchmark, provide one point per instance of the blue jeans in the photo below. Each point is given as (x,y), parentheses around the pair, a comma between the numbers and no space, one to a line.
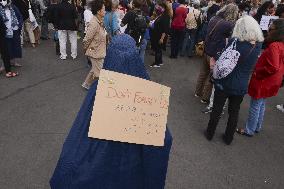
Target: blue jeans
(142,49)
(189,42)
(255,118)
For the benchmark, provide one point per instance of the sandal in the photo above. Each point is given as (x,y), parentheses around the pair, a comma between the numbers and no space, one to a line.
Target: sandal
(242,132)
(12,74)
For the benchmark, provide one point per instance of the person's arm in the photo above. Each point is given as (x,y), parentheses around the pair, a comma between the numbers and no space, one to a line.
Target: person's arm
(115,23)
(272,62)
(92,30)
(125,19)
(165,27)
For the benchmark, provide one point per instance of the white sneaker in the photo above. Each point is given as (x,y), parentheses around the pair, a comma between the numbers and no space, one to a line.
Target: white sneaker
(280,107)
(85,86)
(63,58)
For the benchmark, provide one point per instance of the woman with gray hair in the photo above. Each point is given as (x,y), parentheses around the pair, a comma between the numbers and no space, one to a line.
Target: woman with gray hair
(219,30)
(237,60)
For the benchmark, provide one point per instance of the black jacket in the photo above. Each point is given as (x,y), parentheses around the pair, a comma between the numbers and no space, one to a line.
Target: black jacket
(23,6)
(66,15)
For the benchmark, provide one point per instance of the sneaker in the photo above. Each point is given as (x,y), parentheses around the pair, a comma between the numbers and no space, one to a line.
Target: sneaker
(204,101)
(280,107)
(74,57)
(155,65)
(161,64)
(196,95)
(207,110)
(85,86)
(62,58)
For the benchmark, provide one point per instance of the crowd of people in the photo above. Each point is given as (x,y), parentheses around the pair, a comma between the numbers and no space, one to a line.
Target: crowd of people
(242,54)
(211,25)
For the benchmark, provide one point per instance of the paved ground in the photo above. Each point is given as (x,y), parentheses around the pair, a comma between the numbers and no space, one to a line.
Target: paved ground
(38,108)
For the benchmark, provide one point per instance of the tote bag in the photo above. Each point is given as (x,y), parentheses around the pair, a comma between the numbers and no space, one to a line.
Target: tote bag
(226,62)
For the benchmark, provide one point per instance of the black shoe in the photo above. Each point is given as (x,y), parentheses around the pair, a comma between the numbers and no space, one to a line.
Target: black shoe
(226,141)
(207,136)
(207,110)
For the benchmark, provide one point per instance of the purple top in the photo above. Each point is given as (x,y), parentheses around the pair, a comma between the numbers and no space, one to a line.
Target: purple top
(217,32)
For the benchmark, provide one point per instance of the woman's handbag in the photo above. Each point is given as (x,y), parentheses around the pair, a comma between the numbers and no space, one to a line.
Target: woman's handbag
(199,49)
(227,61)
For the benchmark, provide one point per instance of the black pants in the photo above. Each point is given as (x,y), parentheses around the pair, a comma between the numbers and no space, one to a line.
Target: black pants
(177,38)
(158,54)
(57,47)
(233,109)
(5,54)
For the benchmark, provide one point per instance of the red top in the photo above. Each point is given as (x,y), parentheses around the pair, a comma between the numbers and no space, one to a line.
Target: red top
(179,18)
(268,73)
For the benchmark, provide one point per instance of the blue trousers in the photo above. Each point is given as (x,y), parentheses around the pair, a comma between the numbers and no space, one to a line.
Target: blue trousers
(189,42)
(256,114)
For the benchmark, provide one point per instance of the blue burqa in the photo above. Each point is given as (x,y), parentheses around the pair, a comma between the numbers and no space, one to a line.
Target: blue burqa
(87,163)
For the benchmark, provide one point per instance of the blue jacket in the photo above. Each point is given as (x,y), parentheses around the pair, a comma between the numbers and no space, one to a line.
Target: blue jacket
(236,83)
(112,27)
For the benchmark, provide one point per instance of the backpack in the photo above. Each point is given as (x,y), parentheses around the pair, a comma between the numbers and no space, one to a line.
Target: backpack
(226,62)
(140,26)
(198,20)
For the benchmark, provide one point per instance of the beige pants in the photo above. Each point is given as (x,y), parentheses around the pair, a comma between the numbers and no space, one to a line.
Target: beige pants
(27,27)
(204,86)
(97,65)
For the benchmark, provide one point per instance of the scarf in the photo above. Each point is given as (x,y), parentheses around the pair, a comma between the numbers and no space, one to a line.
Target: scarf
(14,21)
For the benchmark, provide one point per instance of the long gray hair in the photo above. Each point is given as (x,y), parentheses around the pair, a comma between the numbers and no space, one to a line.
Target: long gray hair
(229,12)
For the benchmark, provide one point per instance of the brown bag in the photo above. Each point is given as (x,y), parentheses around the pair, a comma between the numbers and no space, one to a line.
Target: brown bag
(199,49)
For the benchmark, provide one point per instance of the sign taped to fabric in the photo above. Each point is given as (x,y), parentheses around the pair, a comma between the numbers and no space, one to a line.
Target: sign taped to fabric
(129,109)
(266,21)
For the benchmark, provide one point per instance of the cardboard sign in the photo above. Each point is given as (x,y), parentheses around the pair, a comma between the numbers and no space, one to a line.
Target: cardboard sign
(129,109)
(266,21)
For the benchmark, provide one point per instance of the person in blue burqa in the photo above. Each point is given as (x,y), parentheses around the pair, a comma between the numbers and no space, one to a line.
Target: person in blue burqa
(88,163)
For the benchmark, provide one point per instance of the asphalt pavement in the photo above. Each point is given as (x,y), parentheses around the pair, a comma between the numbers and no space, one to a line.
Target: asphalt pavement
(38,107)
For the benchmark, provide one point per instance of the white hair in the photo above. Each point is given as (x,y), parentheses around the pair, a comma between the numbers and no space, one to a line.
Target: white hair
(115,3)
(247,29)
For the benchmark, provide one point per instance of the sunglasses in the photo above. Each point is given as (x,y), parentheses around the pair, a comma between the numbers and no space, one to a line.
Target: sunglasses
(3,0)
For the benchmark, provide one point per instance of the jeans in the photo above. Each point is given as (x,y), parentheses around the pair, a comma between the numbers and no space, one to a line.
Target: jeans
(189,42)
(255,117)
(220,98)
(62,35)
(142,49)
(177,38)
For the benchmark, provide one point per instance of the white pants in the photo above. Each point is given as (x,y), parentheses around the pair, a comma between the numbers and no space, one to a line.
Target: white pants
(62,35)
(212,100)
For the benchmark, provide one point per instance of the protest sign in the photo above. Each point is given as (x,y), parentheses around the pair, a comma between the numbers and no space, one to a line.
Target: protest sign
(266,21)
(129,109)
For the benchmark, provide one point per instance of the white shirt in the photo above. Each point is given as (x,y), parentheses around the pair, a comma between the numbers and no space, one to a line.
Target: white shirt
(88,15)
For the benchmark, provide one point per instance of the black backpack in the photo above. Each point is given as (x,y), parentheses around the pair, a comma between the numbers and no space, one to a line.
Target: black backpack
(139,27)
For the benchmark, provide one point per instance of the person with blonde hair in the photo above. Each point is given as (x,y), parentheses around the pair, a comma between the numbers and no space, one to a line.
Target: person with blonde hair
(245,45)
